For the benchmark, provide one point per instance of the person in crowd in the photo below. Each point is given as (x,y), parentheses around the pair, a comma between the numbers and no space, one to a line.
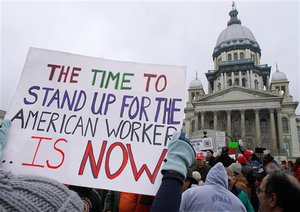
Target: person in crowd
(258,176)
(33,193)
(279,192)
(200,166)
(127,202)
(91,199)
(189,181)
(237,191)
(180,156)
(248,154)
(212,196)
(210,159)
(224,158)
(297,169)
(269,164)
(197,176)
(239,179)
(290,169)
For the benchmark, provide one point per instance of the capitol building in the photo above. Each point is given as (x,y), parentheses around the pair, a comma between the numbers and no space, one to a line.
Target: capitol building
(243,100)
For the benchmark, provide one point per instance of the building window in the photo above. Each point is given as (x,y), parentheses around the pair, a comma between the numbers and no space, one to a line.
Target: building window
(256,84)
(241,56)
(219,86)
(229,57)
(285,125)
(244,82)
(237,81)
(247,126)
(229,82)
(263,126)
(286,144)
(235,56)
(193,126)
(211,124)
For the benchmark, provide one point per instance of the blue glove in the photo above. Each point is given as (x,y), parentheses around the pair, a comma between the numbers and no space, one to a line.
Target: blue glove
(180,154)
(3,134)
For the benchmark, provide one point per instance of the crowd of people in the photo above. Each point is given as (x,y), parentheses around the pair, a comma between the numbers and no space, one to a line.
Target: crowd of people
(191,182)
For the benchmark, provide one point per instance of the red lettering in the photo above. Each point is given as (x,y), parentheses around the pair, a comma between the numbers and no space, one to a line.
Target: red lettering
(89,153)
(122,167)
(35,153)
(148,80)
(60,151)
(144,167)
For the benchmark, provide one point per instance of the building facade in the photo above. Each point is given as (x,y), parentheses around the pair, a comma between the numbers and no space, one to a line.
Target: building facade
(243,100)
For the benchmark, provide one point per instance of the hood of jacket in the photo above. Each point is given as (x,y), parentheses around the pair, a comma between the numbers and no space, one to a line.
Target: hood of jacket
(217,176)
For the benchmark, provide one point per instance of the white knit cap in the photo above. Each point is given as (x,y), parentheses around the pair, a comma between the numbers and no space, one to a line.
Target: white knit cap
(35,194)
(196,175)
(236,167)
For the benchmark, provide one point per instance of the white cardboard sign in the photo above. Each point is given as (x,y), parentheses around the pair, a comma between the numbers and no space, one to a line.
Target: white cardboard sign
(94,122)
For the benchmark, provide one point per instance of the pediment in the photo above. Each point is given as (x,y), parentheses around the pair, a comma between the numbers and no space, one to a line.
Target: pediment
(237,94)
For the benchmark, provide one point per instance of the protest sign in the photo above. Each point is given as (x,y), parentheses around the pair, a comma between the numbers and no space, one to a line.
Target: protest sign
(202,144)
(94,122)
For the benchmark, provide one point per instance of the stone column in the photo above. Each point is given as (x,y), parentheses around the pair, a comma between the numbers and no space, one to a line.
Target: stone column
(279,127)
(215,120)
(232,77)
(225,80)
(251,79)
(197,121)
(273,131)
(202,120)
(240,78)
(188,128)
(248,79)
(243,127)
(295,144)
(228,112)
(257,128)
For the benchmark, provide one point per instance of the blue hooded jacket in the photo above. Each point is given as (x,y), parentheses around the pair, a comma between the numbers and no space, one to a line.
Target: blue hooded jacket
(213,195)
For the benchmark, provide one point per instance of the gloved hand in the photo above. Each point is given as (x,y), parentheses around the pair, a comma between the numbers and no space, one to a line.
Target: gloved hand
(3,133)
(180,154)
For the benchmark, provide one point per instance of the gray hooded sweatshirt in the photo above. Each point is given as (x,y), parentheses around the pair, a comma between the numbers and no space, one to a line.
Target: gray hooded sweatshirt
(213,195)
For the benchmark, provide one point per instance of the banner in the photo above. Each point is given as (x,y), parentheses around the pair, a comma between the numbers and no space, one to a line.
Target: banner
(202,144)
(94,122)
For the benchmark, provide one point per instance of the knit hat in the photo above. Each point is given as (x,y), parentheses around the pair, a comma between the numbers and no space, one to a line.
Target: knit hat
(196,175)
(200,156)
(236,168)
(248,153)
(242,160)
(35,194)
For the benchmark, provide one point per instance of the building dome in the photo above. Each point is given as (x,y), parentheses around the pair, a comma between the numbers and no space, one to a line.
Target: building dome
(278,76)
(196,83)
(235,36)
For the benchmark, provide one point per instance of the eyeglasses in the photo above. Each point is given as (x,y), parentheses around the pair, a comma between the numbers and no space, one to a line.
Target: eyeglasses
(258,190)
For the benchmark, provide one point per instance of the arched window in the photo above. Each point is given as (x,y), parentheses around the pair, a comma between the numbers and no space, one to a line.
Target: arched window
(193,126)
(244,82)
(263,126)
(256,84)
(237,81)
(285,125)
(229,82)
(219,86)
(241,56)
(235,56)
(229,57)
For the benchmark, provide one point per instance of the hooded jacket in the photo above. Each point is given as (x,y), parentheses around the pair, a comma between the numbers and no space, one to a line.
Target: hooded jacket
(213,195)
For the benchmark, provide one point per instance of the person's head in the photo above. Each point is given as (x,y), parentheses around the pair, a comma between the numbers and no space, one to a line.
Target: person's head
(236,168)
(279,192)
(200,159)
(259,176)
(224,151)
(297,162)
(242,160)
(231,178)
(248,154)
(189,180)
(209,153)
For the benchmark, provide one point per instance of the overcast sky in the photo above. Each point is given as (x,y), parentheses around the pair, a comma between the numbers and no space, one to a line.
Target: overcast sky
(181,33)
